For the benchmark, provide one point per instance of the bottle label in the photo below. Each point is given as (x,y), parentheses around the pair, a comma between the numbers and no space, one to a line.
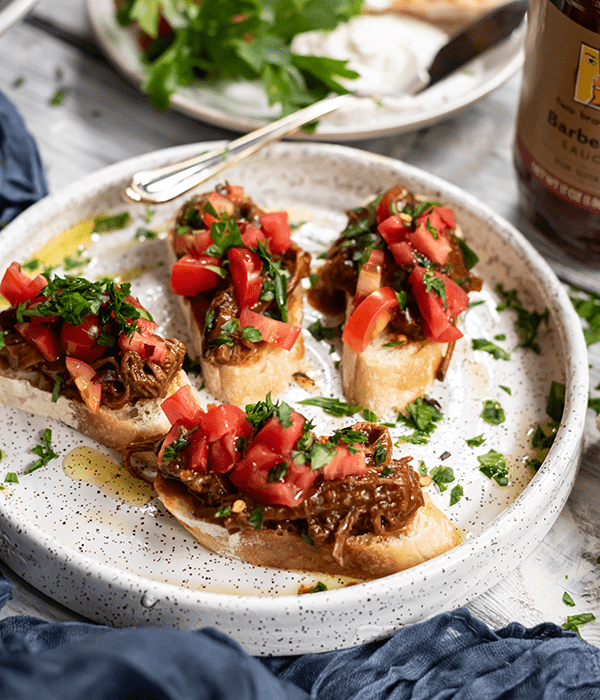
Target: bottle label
(558,124)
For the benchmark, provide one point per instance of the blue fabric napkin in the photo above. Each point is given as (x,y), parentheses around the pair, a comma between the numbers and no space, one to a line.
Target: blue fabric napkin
(452,655)
(22,176)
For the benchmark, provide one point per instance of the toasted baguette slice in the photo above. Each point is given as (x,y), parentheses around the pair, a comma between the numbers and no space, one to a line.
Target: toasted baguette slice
(269,369)
(366,557)
(116,429)
(384,379)
(450,14)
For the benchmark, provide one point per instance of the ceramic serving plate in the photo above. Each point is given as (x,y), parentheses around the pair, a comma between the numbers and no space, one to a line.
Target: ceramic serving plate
(243,106)
(11,11)
(80,532)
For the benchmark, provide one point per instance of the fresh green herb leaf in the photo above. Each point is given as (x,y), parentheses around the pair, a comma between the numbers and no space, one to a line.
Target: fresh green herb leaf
(380,454)
(58,380)
(278,472)
(334,407)
(574,622)
(31,265)
(541,441)
(369,415)
(58,99)
(442,476)
(321,332)
(487,346)
(145,234)
(527,323)
(43,451)
(493,465)
(555,405)
(394,344)
(423,414)
(493,413)
(456,494)
(435,284)
(567,600)
(470,258)
(507,389)
(475,441)
(11,478)
(223,511)
(317,588)
(103,224)
(256,518)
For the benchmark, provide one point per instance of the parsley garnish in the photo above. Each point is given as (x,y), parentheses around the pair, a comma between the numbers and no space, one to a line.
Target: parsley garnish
(442,476)
(493,413)
(527,323)
(145,234)
(231,328)
(11,478)
(334,407)
(423,414)
(172,451)
(317,588)
(493,465)
(487,346)
(321,332)
(574,622)
(567,600)
(256,518)
(434,283)
(43,451)
(456,494)
(223,511)
(103,224)
(555,405)
(475,441)
(470,258)
(58,380)
(588,309)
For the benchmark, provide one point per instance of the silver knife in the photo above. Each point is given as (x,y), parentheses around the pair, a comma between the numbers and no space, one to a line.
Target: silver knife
(163,184)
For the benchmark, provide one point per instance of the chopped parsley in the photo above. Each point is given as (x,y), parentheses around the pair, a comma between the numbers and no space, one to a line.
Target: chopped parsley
(470,258)
(223,511)
(103,224)
(435,284)
(527,323)
(475,441)
(333,407)
(231,328)
(555,405)
(507,389)
(493,413)
(541,441)
(172,451)
(442,476)
(11,478)
(321,332)
(43,451)
(257,414)
(567,600)
(145,234)
(256,518)
(317,588)
(31,265)
(587,306)
(456,494)
(487,346)
(493,465)
(574,622)
(58,380)
(423,414)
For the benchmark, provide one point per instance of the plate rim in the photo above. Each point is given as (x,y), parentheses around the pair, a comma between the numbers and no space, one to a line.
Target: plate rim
(569,435)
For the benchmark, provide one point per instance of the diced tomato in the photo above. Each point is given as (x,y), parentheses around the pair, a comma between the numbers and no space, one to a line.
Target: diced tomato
(200,243)
(223,453)
(251,235)
(190,275)
(82,341)
(384,209)
(403,252)
(218,420)
(148,347)
(272,331)
(279,438)
(430,241)
(83,376)
(245,267)
(438,321)
(41,337)
(197,453)
(369,319)
(16,287)
(177,429)
(276,225)
(369,277)
(146,326)
(346,462)
(234,192)
(221,205)
(252,476)
(448,216)
(393,229)
(182,406)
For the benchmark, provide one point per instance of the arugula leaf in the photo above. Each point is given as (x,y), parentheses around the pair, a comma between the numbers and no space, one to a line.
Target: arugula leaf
(487,346)
(493,465)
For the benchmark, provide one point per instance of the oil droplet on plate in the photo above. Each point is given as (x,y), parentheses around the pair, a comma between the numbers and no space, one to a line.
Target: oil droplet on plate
(89,465)
(65,243)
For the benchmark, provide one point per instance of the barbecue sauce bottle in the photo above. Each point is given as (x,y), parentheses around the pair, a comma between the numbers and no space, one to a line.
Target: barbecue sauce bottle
(557,145)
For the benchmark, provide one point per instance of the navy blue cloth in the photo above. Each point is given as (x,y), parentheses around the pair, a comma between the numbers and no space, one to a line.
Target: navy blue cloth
(452,656)
(22,176)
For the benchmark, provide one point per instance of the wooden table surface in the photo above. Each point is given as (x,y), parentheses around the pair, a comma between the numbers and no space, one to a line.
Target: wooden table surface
(105,119)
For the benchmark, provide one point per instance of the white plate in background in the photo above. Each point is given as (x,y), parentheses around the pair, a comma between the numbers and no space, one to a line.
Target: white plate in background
(242,106)
(122,563)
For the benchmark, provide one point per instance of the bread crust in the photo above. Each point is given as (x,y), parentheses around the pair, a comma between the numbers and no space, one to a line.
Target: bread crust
(366,557)
(116,429)
(451,14)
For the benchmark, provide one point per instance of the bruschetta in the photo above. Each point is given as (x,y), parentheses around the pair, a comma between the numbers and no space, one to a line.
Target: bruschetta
(85,353)
(260,486)
(400,276)
(238,275)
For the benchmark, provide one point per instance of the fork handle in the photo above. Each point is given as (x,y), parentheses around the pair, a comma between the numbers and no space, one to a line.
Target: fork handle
(163,184)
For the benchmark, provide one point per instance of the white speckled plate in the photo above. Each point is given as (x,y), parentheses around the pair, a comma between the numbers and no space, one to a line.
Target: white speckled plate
(120,563)
(242,106)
